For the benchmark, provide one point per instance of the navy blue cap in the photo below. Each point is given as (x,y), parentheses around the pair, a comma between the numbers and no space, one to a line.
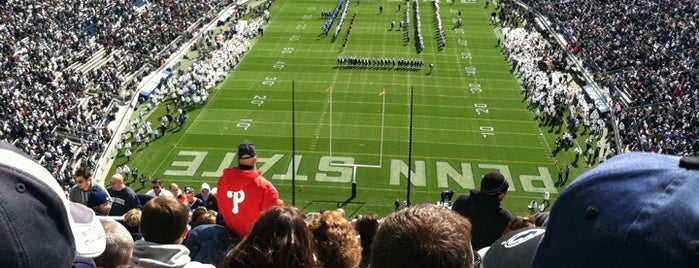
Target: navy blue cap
(633,210)
(97,197)
(39,227)
(246,150)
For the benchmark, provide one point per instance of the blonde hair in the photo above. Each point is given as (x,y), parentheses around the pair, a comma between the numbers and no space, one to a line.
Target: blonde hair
(132,218)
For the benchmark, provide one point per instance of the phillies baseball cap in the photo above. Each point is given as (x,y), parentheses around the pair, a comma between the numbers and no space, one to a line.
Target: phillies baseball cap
(39,227)
(633,210)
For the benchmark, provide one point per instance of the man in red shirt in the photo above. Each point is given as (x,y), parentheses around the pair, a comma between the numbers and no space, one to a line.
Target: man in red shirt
(243,194)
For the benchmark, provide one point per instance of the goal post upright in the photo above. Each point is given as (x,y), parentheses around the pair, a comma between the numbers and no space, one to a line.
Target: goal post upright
(381,140)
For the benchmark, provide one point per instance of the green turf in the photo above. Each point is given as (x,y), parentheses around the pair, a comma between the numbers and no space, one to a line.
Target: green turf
(464,124)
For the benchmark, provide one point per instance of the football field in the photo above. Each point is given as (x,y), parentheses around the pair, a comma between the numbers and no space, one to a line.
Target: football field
(373,123)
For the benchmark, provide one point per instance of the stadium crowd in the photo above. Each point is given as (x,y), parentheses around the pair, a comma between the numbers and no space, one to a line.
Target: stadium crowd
(41,94)
(647,50)
(256,229)
(53,111)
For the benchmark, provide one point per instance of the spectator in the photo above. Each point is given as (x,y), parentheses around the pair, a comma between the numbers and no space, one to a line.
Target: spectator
(279,238)
(243,193)
(423,236)
(192,201)
(483,209)
(208,198)
(541,218)
(208,243)
(132,222)
(366,228)
(100,202)
(337,245)
(202,216)
(164,227)
(40,226)
(143,198)
(519,222)
(119,245)
(513,250)
(590,225)
(123,197)
(157,189)
(176,192)
(80,192)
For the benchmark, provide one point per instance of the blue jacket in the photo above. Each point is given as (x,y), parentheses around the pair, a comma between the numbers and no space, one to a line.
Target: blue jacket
(209,243)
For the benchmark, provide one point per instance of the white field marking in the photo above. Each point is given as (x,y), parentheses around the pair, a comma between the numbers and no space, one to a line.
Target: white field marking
(381,141)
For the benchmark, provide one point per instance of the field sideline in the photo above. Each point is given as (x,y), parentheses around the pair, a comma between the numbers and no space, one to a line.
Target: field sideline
(353,124)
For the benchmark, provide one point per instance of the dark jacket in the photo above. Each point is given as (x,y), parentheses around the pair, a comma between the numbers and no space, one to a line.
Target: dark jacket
(209,243)
(487,218)
(211,202)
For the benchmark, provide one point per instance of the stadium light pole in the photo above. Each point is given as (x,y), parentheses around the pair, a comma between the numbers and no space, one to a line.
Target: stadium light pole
(293,145)
(410,148)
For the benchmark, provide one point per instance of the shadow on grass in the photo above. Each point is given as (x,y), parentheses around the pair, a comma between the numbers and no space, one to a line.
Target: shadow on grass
(346,204)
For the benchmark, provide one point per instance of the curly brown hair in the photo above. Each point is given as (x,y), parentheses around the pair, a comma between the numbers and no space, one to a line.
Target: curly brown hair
(336,240)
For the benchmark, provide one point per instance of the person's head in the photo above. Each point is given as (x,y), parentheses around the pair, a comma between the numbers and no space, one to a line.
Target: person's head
(99,201)
(157,186)
(132,218)
(83,178)
(117,182)
(174,189)
(38,225)
(201,216)
(205,190)
(518,222)
(423,236)
(367,226)
(633,210)
(494,184)
(247,154)
(189,193)
(207,218)
(541,218)
(336,240)
(164,220)
(279,238)
(197,212)
(119,245)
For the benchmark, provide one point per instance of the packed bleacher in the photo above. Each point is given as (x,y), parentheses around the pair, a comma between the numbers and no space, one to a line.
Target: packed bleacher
(646,53)
(63,64)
